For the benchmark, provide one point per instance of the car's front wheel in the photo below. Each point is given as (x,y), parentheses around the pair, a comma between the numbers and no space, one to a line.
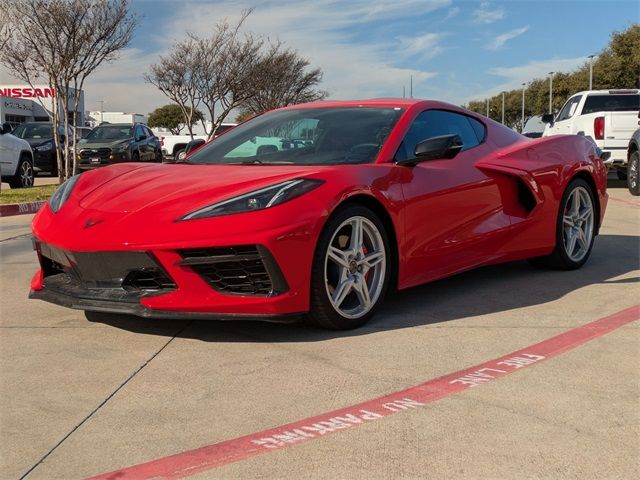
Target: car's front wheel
(633,174)
(575,228)
(24,175)
(351,269)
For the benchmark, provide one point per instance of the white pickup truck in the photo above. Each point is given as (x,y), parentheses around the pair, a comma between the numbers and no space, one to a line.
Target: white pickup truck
(173,145)
(608,116)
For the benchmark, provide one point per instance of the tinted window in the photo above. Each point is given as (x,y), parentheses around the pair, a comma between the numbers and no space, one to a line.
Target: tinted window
(434,123)
(611,103)
(111,132)
(569,108)
(305,136)
(34,131)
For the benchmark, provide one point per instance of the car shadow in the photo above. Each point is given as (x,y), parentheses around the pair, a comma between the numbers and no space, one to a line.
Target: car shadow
(486,290)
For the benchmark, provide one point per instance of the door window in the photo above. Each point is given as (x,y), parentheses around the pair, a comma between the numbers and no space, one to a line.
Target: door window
(434,123)
(569,108)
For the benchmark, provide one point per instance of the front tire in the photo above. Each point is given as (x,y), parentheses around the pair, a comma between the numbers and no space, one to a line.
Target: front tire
(24,175)
(633,174)
(351,269)
(575,229)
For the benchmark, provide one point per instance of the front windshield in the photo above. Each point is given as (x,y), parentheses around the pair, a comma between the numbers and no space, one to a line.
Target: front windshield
(305,136)
(111,132)
(34,131)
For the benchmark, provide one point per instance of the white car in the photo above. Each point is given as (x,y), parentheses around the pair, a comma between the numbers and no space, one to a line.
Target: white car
(609,117)
(16,159)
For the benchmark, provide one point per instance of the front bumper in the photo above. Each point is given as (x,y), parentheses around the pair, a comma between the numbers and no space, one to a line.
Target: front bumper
(88,159)
(199,289)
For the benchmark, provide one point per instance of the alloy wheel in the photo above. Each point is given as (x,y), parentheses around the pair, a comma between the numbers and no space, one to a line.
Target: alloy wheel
(578,222)
(355,264)
(26,174)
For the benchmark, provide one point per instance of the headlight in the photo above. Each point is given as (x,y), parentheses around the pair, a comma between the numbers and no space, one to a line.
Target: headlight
(62,193)
(260,199)
(121,148)
(45,147)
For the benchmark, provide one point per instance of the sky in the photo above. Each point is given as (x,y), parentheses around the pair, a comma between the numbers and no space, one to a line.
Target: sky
(455,50)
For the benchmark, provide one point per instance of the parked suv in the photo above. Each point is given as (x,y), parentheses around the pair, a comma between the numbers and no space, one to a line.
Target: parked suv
(40,137)
(118,142)
(16,159)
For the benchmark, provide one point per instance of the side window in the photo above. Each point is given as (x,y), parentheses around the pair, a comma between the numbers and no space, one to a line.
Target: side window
(569,108)
(139,131)
(434,123)
(148,132)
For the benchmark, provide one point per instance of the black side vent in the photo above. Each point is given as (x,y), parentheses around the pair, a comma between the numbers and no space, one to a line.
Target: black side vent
(239,270)
(525,197)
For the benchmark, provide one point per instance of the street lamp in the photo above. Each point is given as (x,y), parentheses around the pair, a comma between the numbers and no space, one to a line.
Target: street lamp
(101,102)
(503,108)
(551,92)
(488,108)
(522,124)
(591,71)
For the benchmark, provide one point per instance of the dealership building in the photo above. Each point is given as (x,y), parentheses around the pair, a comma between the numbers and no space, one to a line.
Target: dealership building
(21,104)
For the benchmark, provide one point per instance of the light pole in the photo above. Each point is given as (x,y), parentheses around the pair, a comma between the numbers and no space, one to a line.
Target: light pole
(591,72)
(522,124)
(503,108)
(487,108)
(551,92)
(101,102)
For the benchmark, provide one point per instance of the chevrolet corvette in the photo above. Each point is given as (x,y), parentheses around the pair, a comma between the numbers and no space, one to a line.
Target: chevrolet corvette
(315,211)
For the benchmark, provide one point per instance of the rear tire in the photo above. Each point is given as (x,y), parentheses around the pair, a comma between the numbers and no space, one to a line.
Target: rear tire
(633,174)
(351,270)
(575,229)
(24,176)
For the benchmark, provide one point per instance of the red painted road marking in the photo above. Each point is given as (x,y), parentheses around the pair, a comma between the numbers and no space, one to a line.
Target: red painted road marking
(195,461)
(625,202)
(20,209)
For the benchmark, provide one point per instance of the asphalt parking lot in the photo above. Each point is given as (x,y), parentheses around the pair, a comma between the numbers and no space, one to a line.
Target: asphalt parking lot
(81,397)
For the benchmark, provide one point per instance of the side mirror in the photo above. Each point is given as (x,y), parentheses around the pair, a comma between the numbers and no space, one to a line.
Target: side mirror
(436,148)
(548,118)
(6,128)
(193,145)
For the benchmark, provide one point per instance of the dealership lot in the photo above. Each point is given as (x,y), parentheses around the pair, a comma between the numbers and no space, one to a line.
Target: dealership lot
(81,397)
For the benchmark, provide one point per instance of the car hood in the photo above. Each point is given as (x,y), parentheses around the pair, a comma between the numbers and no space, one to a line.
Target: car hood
(35,142)
(102,143)
(176,189)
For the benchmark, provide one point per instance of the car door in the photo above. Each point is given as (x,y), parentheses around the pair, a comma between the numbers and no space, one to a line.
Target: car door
(453,211)
(564,120)
(141,143)
(9,154)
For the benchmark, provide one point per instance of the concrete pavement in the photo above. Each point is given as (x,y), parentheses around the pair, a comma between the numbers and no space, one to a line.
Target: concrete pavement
(110,392)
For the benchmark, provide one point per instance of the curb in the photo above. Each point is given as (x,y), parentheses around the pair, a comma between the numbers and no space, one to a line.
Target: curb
(20,208)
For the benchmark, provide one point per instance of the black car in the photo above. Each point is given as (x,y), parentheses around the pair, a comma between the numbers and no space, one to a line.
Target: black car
(40,137)
(118,142)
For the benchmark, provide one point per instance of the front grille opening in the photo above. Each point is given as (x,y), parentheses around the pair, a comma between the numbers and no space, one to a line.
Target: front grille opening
(50,267)
(150,279)
(239,270)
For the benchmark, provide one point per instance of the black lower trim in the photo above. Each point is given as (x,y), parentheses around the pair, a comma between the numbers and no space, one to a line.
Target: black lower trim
(126,308)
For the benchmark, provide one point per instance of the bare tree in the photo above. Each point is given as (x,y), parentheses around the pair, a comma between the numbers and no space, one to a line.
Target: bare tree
(175,76)
(227,61)
(282,78)
(65,41)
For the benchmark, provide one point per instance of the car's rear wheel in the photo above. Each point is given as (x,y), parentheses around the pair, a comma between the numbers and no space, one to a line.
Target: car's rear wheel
(575,229)
(24,175)
(351,269)
(633,174)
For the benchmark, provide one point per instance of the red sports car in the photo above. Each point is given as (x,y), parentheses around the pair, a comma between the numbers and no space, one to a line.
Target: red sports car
(316,211)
